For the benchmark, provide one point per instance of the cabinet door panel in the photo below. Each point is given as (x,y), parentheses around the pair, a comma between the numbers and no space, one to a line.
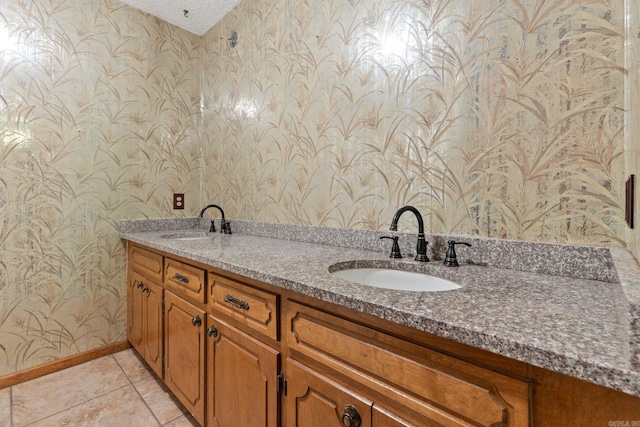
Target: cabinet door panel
(134,312)
(152,295)
(242,379)
(184,353)
(438,387)
(316,401)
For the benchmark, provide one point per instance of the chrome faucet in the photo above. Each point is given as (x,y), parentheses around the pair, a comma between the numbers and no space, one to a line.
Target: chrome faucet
(225,227)
(421,247)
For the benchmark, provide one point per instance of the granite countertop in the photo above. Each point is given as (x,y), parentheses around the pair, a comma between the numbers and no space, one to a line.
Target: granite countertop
(574,326)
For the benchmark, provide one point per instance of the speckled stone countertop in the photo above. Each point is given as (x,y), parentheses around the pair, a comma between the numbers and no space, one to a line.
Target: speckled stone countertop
(573,325)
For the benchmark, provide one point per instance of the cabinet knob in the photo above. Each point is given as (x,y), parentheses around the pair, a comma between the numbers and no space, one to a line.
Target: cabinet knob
(351,417)
(196,321)
(212,331)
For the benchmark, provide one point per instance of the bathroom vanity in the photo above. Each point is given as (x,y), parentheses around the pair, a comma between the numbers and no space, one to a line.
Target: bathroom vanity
(255,331)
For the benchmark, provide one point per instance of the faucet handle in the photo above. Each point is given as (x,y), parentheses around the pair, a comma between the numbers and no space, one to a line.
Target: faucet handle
(212,228)
(421,249)
(451,259)
(395,248)
(225,227)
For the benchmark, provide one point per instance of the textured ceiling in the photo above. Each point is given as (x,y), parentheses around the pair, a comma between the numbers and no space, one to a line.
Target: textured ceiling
(201,15)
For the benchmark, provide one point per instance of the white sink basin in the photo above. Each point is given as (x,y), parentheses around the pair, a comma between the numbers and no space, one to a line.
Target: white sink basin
(396,279)
(196,235)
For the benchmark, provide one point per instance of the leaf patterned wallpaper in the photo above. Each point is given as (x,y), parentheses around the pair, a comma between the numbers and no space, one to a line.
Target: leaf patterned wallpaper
(632,113)
(98,123)
(501,119)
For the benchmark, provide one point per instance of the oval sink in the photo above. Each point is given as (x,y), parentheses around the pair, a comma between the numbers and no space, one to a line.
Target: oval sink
(396,279)
(196,235)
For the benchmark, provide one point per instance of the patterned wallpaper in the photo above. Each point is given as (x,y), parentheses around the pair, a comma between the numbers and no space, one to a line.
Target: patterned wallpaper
(98,123)
(632,114)
(501,119)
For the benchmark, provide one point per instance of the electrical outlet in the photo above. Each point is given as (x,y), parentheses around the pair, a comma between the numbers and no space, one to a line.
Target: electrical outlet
(178,201)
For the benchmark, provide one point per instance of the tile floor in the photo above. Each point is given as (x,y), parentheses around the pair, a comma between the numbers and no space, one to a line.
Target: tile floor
(116,390)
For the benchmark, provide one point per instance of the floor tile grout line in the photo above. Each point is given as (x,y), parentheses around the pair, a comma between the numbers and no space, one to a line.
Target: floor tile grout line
(152,375)
(79,404)
(142,362)
(161,383)
(147,405)
(186,415)
(122,370)
(130,383)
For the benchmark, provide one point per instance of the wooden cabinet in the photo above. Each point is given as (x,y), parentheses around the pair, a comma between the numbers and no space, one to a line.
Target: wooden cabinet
(144,306)
(242,378)
(314,400)
(277,358)
(184,341)
(430,387)
(168,330)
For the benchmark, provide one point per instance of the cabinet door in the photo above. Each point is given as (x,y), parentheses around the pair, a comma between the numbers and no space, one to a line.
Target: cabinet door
(434,388)
(185,353)
(152,326)
(242,379)
(315,401)
(134,312)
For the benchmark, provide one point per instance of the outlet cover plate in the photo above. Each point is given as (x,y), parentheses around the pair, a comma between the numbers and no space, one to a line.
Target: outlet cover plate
(178,201)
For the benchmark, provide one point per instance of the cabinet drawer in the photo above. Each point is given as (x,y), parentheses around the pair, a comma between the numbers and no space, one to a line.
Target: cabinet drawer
(249,306)
(437,387)
(146,263)
(185,280)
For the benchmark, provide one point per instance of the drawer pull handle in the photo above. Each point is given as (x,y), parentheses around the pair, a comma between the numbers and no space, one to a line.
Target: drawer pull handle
(212,331)
(237,302)
(196,321)
(139,285)
(351,417)
(181,278)
(146,290)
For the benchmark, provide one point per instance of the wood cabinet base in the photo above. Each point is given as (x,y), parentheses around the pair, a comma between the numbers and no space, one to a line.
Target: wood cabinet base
(248,354)
(560,400)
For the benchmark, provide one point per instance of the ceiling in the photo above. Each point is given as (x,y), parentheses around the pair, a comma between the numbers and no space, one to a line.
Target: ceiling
(195,16)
